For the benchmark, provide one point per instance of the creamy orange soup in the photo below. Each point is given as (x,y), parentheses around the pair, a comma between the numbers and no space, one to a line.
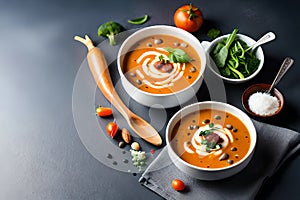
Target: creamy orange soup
(210,139)
(144,68)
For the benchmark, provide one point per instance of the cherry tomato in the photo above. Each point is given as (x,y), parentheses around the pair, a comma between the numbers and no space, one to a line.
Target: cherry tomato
(178,185)
(112,128)
(188,17)
(103,111)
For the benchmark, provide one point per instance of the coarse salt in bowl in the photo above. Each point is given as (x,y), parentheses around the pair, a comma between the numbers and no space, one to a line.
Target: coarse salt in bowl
(259,104)
(263,103)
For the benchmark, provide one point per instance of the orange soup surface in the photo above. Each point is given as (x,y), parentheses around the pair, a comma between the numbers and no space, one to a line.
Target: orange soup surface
(148,65)
(210,139)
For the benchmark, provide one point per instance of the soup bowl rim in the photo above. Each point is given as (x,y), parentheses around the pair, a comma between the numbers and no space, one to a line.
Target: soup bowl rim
(249,124)
(169,28)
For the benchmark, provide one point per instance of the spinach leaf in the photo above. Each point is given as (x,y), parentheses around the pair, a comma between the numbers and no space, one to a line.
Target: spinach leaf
(213,33)
(240,61)
(225,71)
(221,56)
(252,63)
(218,47)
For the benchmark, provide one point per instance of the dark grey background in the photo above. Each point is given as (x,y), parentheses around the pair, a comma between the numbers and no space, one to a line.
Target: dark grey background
(41,154)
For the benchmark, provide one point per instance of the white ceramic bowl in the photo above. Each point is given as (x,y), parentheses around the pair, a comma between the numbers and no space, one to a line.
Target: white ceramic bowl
(161,100)
(211,173)
(209,47)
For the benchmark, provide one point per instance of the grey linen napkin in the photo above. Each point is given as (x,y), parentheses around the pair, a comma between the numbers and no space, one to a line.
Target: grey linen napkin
(274,146)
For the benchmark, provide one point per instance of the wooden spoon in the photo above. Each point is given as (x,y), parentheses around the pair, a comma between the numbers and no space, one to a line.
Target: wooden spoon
(100,72)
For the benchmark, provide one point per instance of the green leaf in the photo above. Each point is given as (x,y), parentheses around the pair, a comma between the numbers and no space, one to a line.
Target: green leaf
(202,133)
(138,21)
(240,75)
(204,142)
(211,145)
(169,49)
(172,58)
(179,52)
(252,63)
(221,56)
(213,33)
(217,48)
(225,72)
(161,58)
(177,55)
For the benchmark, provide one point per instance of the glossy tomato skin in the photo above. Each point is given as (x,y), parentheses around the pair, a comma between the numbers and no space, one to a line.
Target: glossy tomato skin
(103,111)
(188,18)
(112,128)
(178,185)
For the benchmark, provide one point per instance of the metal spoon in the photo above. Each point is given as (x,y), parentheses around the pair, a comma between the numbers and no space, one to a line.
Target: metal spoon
(264,39)
(285,66)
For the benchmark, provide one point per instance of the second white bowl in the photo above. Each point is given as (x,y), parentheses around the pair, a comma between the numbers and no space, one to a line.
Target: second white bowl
(210,173)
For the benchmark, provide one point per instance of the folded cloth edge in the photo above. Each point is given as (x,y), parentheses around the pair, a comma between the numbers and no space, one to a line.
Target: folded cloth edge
(146,180)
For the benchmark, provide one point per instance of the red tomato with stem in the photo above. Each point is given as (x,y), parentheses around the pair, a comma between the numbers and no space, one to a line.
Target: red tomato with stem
(178,185)
(112,128)
(189,18)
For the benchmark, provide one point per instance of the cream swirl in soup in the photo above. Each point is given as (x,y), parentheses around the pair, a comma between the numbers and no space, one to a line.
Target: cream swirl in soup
(148,65)
(202,143)
(152,68)
(210,138)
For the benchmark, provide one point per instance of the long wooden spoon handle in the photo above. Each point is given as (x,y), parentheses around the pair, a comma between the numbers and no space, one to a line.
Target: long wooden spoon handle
(100,72)
(99,69)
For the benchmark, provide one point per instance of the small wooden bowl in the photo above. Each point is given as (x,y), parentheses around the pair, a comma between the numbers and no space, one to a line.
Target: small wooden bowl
(261,88)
